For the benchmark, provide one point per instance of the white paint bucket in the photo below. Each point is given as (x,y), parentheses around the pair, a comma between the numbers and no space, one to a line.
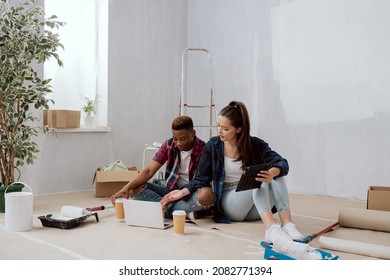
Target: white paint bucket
(18,209)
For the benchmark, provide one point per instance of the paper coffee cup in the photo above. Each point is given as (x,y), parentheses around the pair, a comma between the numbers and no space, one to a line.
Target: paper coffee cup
(179,218)
(119,210)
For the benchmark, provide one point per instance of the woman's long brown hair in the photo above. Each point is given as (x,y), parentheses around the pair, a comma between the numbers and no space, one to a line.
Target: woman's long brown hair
(238,115)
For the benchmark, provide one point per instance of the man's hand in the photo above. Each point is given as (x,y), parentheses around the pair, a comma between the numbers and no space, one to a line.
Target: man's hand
(122,193)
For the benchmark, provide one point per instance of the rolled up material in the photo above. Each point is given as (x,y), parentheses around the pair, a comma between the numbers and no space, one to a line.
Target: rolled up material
(364,219)
(73,211)
(355,247)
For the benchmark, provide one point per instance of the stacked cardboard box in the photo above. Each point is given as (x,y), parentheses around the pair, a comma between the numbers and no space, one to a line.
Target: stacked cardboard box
(378,198)
(61,118)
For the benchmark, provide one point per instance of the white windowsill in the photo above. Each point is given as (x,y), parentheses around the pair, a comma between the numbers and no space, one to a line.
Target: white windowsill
(99,129)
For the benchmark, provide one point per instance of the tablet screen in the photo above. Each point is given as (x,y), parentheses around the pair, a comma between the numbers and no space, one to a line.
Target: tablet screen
(248,177)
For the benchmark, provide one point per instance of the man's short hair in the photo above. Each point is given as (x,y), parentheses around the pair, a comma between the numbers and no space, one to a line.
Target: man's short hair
(182,122)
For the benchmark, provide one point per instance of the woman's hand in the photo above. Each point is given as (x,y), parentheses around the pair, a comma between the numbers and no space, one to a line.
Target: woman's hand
(266,176)
(173,196)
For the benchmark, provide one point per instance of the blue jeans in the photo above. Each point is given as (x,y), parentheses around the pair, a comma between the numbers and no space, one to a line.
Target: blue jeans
(155,192)
(251,204)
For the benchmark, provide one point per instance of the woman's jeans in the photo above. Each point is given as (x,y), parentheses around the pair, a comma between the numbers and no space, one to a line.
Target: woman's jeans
(251,204)
(155,192)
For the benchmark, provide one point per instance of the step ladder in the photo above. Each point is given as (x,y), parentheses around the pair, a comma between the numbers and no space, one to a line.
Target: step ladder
(184,106)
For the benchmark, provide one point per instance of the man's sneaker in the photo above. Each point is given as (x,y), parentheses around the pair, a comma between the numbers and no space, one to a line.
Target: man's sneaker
(195,215)
(275,232)
(192,216)
(296,250)
(292,231)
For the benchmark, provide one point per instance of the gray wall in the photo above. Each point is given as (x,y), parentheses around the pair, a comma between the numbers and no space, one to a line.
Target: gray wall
(314,75)
(145,42)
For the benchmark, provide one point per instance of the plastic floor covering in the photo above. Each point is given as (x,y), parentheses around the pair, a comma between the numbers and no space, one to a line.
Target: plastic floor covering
(109,239)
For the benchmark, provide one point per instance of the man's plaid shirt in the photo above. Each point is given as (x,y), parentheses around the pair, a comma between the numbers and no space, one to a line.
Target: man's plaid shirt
(170,154)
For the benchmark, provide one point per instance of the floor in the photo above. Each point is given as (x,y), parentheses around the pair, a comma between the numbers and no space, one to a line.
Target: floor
(110,239)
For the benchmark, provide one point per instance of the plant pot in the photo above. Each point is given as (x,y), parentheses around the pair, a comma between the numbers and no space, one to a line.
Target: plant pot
(11,188)
(89,121)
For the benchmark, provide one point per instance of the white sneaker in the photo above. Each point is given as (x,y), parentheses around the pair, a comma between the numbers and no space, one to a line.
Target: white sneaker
(275,232)
(191,216)
(296,250)
(292,231)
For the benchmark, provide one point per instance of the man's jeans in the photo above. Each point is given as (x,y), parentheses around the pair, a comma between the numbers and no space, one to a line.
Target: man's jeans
(155,192)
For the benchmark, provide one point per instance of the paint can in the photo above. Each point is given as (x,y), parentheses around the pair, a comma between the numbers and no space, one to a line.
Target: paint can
(18,209)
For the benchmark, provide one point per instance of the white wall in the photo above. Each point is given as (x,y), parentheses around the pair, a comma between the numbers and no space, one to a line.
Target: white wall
(314,75)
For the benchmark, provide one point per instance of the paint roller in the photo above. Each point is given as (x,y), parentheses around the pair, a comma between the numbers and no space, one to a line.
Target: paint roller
(76,212)
(73,211)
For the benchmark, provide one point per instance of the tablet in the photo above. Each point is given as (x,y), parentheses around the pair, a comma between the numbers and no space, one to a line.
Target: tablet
(248,177)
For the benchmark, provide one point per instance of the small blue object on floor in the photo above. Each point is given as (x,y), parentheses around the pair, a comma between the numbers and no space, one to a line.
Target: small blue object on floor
(271,254)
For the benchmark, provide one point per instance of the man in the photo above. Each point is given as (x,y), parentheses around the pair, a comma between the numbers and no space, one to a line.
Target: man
(181,154)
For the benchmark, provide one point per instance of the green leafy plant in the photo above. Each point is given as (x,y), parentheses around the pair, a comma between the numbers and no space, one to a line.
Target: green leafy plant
(26,41)
(90,106)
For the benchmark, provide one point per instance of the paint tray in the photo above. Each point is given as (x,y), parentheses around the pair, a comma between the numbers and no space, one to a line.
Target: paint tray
(271,254)
(58,221)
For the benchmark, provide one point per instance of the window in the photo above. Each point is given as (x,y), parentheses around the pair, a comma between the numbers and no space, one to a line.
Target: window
(85,40)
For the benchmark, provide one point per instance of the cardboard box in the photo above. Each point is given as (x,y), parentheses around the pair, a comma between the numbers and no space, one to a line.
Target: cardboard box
(61,118)
(109,182)
(378,198)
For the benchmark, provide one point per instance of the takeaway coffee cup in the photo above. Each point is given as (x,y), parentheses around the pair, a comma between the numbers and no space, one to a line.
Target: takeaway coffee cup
(179,217)
(119,211)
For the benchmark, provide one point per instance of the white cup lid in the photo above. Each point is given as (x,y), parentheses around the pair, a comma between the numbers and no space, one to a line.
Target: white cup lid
(179,212)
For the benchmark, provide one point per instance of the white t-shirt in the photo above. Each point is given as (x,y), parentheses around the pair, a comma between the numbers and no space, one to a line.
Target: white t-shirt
(185,158)
(233,170)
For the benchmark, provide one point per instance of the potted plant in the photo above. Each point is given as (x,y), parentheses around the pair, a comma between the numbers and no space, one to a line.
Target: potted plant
(89,110)
(26,41)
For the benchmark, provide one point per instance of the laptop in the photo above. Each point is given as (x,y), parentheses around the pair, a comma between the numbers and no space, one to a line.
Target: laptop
(144,214)
(248,177)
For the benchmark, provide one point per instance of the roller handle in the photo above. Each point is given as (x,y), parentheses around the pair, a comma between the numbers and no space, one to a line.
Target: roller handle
(307,239)
(310,237)
(99,208)
(266,244)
